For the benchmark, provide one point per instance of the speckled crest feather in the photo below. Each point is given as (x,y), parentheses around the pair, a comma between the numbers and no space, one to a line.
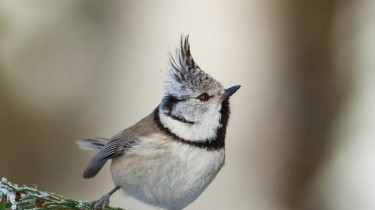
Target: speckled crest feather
(185,76)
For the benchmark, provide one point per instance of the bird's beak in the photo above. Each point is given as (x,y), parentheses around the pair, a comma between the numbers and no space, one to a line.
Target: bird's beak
(230,91)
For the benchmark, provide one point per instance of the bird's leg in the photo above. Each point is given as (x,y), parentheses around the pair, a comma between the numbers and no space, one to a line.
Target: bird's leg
(103,202)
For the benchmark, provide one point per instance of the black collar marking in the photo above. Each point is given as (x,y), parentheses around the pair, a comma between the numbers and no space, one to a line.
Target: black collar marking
(210,145)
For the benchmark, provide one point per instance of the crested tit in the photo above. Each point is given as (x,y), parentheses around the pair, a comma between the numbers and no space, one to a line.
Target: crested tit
(168,158)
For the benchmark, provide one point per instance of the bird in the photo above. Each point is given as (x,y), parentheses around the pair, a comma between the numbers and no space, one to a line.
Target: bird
(169,157)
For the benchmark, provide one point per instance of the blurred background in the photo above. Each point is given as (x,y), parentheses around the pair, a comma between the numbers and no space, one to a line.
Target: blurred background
(301,135)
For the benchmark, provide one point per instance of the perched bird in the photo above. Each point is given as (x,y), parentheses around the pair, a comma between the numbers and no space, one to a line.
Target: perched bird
(169,157)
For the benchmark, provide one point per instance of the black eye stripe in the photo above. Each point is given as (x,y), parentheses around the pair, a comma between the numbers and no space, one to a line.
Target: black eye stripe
(169,101)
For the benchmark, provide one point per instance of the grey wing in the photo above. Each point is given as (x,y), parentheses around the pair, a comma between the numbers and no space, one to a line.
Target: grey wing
(117,145)
(110,150)
(97,162)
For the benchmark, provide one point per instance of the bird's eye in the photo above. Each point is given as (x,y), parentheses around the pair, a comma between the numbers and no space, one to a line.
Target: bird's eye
(203,97)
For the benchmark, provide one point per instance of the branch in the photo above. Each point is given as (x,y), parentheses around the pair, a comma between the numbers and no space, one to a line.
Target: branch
(14,197)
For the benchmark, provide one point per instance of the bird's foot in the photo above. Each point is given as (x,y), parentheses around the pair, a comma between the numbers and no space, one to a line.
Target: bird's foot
(101,203)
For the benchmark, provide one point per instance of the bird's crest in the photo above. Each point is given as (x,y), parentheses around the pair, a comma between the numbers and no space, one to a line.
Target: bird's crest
(184,75)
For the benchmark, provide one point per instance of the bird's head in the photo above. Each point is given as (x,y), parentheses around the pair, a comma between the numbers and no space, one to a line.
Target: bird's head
(192,98)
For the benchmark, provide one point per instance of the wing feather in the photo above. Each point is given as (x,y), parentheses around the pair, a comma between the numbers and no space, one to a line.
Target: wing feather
(117,145)
(109,151)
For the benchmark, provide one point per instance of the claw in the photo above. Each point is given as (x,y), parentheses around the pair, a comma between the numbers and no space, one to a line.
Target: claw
(103,202)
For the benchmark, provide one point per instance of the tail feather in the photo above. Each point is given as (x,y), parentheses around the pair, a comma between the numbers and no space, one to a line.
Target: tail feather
(94,143)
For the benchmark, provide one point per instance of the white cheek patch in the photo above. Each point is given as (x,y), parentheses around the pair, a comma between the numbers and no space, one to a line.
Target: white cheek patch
(203,130)
(190,112)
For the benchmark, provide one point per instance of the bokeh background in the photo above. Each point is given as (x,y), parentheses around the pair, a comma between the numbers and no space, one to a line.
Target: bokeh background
(302,133)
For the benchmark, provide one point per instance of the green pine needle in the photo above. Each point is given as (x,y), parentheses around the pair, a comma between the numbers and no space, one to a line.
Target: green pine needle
(14,197)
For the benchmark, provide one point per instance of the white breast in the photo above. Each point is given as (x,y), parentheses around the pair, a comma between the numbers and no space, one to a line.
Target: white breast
(165,173)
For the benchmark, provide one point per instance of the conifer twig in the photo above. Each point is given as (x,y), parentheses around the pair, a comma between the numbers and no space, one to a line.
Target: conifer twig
(15,197)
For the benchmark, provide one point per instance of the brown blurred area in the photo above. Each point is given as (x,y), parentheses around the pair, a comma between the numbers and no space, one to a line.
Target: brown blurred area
(300,135)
